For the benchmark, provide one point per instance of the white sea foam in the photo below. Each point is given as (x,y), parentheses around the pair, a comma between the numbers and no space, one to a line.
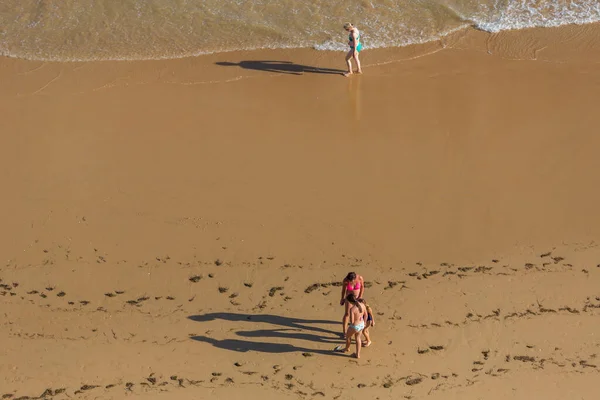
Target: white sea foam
(531,13)
(331,45)
(85,30)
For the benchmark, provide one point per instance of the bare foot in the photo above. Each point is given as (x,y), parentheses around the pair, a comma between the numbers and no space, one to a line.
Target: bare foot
(359,71)
(347,74)
(340,349)
(367,344)
(355,355)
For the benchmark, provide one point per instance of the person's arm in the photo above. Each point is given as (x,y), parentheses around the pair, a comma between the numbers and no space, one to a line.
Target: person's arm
(343,293)
(370,311)
(355,41)
(362,287)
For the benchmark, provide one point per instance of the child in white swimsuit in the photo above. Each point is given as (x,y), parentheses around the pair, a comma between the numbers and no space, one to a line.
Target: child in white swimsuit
(358,316)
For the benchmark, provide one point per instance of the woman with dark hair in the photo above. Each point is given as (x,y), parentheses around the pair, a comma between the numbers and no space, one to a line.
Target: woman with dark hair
(352,284)
(369,322)
(358,316)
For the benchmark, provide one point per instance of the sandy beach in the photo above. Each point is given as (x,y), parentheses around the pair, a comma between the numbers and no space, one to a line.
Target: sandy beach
(179,229)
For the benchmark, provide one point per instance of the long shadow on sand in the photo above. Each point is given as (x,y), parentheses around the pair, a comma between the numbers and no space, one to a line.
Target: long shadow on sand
(297,323)
(291,329)
(282,67)
(244,346)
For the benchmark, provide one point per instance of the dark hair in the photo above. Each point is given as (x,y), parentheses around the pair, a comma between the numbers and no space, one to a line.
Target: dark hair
(350,277)
(364,303)
(351,298)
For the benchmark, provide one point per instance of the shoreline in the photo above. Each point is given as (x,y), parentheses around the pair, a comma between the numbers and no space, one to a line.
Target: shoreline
(460,30)
(150,207)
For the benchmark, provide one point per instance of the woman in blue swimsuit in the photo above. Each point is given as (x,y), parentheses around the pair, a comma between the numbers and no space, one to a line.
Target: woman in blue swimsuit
(355,48)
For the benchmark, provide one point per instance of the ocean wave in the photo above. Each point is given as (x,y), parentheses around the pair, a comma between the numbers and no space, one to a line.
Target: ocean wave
(93,30)
(331,45)
(531,13)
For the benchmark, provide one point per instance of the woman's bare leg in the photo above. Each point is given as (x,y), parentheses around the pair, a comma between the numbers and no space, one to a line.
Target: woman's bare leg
(348,335)
(358,344)
(359,69)
(349,63)
(346,318)
(367,337)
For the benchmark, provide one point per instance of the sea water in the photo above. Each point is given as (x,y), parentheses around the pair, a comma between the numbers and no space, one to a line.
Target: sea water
(76,30)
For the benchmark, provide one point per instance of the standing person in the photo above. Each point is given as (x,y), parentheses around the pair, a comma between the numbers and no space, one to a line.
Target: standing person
(358,316)
(352,284)
(355,48)
(369,323)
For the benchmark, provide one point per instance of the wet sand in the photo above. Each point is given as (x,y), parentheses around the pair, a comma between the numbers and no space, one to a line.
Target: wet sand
(177,229)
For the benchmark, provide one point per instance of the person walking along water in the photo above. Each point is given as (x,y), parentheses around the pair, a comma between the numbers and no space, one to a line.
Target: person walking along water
(355,48)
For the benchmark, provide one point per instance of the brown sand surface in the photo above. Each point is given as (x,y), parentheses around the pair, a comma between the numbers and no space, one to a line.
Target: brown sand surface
(178,229)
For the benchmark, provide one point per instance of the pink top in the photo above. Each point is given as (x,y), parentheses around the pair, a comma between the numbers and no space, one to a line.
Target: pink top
(356,286)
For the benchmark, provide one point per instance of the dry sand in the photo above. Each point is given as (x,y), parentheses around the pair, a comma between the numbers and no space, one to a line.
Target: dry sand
(164,223)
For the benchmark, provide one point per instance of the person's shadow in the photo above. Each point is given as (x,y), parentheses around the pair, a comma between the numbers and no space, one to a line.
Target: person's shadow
(244,346)
(282,67)
(289,334)
(295,329)
(297,323)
